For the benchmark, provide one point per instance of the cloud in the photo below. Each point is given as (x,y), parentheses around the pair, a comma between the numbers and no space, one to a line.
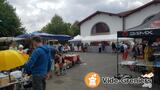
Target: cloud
(35,14)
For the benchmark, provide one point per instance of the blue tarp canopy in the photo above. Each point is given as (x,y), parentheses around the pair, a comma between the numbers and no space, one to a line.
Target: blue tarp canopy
(24,36)
(62,37)
(46,36)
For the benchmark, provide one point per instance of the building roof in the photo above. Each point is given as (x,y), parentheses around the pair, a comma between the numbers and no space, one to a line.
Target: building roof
(150,22)
(97,12)
(126,13)
(122,14)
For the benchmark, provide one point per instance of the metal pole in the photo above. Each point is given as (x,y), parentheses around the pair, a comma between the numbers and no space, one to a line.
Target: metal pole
(10,80)
(117,59)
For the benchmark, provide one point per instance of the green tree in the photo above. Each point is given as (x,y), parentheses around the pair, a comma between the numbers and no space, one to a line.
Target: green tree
(75,30)
(58,26)
(10,24)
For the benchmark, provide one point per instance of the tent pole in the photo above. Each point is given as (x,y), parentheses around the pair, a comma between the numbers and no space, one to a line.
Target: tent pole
(117,58)
(10,77)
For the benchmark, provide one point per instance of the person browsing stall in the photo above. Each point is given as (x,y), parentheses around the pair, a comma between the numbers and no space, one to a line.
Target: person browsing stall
(39,64)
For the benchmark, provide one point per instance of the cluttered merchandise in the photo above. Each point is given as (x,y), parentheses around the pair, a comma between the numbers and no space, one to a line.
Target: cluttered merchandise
(11,73)
(145,53)
(14,76)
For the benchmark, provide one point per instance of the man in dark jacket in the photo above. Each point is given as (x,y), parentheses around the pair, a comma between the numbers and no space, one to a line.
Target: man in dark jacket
(39,64)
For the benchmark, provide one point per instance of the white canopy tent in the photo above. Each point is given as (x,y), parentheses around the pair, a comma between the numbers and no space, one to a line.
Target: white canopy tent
(76,38)
(112,37)
(8,39)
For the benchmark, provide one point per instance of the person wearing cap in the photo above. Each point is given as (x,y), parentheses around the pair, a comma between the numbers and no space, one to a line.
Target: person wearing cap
(20,48)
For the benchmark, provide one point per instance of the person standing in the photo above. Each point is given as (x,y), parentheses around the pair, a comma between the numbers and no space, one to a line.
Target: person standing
(39,64)
(59,47)
(113,47)
(125,52)
(146,52)
(82,47)
(103,46)
(100,47)
(13,46)
(135,51)
(78,47)
(86,47)
(21,49)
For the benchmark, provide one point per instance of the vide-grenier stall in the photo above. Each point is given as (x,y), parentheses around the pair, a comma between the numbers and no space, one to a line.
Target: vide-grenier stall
(11,74)
(148,64)
(12,61)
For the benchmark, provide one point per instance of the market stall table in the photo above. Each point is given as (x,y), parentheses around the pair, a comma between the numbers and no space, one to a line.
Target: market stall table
(11,60)
(8,85)
(138,63)
(11,85)
(75,58)
(128,63)
(156,54)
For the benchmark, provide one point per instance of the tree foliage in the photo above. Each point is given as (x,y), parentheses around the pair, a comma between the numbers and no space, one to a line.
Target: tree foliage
(58,26)
(10,24)
(74,30)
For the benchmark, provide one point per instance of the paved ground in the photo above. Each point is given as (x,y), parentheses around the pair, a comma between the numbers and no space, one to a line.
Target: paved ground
(104,64)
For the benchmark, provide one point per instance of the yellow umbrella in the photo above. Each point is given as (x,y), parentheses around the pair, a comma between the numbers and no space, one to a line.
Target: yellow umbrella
(10,59)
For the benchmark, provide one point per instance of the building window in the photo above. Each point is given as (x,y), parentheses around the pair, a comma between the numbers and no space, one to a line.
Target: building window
(100,28)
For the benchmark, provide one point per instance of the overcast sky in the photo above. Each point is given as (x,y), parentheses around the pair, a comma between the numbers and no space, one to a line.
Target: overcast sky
(35,14)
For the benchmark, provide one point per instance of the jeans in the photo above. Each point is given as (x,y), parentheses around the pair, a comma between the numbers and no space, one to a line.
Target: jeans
(38,82)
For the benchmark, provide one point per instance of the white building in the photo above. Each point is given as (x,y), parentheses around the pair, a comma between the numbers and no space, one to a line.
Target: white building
(103,23)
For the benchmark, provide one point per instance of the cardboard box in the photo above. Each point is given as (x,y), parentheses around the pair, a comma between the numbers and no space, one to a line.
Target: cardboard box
(4,80)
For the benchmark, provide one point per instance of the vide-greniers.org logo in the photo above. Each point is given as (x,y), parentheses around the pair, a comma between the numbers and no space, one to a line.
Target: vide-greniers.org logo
(112,80)
(92,80)
(145,82)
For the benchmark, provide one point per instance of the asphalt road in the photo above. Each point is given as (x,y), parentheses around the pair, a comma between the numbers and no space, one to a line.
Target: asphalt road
(104,64)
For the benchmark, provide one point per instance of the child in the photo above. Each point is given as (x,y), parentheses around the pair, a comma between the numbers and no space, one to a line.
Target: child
(57,68)
(60,65)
